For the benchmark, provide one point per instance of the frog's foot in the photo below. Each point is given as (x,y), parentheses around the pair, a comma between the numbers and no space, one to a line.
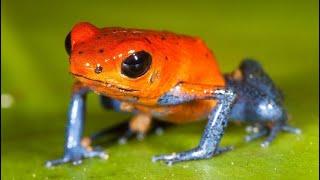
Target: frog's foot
(129,134)
(259,130)
(75,156)
(193,154)
(255,131)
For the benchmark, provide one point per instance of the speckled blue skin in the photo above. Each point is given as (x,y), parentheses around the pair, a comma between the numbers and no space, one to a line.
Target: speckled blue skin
(258,98)
(252,99)
(73,151)
(217,121)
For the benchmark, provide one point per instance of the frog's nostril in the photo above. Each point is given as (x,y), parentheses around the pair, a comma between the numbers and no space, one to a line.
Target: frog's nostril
(98,69)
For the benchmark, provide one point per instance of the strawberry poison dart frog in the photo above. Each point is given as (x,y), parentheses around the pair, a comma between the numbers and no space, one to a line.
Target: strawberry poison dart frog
(170,77)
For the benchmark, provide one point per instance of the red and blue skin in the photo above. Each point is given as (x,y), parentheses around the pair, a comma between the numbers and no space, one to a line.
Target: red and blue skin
(249,96)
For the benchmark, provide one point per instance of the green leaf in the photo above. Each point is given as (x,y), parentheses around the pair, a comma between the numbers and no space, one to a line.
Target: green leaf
(282,35)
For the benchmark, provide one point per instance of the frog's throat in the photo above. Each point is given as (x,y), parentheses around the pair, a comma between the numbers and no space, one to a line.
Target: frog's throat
(106,83)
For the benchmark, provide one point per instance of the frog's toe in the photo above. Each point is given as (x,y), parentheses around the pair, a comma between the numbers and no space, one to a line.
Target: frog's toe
(173,158)
(223,149)
(291,129)
(275,130)
(75,161)
(56,162)
(256,135)
(164,157)
(169,159)
(194,154)
(128,135)
(76,155)
(97,152)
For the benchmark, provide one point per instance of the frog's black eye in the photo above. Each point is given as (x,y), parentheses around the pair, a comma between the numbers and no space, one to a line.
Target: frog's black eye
(136,65)
(67,43)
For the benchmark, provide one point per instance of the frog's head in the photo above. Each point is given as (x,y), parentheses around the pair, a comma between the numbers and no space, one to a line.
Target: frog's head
(118,62)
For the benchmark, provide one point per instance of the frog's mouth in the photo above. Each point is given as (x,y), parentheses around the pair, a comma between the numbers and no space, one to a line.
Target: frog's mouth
(107,84)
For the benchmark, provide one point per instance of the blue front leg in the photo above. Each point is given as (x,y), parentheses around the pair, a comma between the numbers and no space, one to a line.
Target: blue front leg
(210,140)
(74,152)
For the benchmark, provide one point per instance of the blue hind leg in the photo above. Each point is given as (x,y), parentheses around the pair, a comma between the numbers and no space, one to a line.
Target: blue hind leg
(259,102)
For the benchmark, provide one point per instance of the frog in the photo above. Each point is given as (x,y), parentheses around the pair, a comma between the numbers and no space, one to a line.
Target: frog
(172,77)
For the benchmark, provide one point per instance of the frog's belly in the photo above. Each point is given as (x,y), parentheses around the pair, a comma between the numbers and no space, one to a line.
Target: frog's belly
(183,113)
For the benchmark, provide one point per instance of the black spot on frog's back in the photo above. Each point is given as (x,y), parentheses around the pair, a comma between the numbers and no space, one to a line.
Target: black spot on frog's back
(101,50)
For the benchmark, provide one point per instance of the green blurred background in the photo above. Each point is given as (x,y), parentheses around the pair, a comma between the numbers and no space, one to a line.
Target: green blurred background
(283,35)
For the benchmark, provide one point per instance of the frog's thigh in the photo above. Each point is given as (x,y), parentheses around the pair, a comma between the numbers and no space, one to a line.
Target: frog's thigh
(140,123)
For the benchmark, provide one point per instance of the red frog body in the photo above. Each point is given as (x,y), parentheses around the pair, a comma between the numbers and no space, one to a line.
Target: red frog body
(168,76)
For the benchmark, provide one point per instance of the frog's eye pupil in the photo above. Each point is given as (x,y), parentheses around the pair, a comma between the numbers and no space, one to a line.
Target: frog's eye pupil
(136,65)
(67,43)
